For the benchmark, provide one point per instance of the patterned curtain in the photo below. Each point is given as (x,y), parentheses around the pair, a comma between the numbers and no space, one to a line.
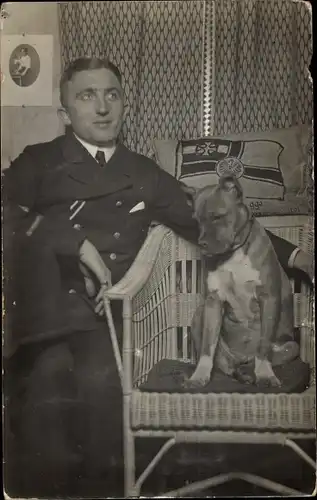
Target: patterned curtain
(195,68)
(262,51)
(158,47)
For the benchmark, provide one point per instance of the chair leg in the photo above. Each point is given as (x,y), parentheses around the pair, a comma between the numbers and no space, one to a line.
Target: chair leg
(301,453)
(151,466)
(130,489)
(199,486)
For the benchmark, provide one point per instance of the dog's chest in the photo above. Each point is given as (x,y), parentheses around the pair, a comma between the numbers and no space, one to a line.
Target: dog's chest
(235,282)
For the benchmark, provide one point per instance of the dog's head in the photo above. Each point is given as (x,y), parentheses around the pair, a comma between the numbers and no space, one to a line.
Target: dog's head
(221,215)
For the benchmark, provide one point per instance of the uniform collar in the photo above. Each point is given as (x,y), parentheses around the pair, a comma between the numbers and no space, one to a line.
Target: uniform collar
(74,151)
(92,148)
(81,166)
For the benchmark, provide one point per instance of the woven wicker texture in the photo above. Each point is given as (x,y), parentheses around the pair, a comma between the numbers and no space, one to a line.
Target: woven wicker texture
(158,48)
(162,313)
(224,411)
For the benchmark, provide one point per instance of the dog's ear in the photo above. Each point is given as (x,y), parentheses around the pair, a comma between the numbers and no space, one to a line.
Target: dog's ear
(230,183)
(190,193)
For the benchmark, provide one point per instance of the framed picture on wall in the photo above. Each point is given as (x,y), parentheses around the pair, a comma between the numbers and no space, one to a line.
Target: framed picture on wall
(26,70)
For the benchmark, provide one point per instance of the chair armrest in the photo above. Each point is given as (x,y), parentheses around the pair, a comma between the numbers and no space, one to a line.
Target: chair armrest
(305,306)
(136,283)
(140,271)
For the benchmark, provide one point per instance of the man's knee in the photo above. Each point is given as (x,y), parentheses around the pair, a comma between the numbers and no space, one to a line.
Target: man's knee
(54,359)
(52,374)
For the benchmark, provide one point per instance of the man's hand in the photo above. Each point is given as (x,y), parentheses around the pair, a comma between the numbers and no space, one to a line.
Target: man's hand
(92,290)
(305,263)
(99,309)
(92,263)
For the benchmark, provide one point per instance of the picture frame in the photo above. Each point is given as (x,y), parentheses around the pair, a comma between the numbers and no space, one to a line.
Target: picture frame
(26,70)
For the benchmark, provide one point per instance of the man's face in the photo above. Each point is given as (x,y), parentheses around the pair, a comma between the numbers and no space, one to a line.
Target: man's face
(94,106)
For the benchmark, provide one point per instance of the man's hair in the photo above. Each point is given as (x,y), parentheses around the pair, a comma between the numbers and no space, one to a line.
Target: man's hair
(83,64)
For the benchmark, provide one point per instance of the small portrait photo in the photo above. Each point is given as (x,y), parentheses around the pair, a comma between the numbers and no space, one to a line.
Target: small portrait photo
(24,65)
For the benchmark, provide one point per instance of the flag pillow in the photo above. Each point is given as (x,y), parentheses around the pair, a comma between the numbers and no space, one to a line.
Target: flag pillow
(270,166)
(254,163)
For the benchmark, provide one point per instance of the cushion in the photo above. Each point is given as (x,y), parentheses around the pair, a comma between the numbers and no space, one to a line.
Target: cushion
(270,166)
(167,376)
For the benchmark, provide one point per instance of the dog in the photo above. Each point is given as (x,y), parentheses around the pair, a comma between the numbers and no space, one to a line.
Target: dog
(245,325)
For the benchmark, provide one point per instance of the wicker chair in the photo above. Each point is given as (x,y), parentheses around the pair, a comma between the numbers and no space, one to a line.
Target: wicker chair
(159,297)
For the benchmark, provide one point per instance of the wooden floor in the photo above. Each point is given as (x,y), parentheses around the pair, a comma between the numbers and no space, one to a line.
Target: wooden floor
(181,466)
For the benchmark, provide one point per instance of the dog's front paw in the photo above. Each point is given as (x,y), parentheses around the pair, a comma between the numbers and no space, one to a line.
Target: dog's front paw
(200,378)
(191,383)
(264,382)
(201,375)
(264,375)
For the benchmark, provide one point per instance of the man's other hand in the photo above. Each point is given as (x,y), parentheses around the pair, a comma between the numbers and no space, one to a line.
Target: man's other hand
(305,263)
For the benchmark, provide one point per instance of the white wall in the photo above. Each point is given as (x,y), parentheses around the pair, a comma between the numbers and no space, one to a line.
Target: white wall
(29,125)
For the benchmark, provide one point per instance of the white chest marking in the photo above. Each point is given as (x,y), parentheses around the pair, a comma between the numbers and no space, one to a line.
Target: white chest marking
(235,282)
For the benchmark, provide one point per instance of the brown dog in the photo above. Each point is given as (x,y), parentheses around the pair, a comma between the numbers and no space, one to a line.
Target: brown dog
(247,314)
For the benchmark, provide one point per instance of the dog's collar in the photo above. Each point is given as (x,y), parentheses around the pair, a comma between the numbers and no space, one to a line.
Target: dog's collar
(250,220)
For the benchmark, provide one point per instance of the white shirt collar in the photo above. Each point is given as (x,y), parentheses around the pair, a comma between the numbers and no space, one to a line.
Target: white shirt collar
(92,149)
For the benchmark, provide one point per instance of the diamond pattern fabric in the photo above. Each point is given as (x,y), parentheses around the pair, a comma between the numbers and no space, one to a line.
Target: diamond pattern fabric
(262,54)
(199,67)
(158,48)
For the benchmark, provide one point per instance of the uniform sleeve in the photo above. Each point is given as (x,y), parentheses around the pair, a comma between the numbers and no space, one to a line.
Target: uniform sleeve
(170,207)
(57,231)
(21,182)
(19,187)
(284,250)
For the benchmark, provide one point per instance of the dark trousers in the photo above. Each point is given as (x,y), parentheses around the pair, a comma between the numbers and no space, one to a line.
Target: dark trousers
(64,406)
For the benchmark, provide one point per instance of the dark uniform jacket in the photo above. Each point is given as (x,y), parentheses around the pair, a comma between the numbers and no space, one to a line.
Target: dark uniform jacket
(55,179)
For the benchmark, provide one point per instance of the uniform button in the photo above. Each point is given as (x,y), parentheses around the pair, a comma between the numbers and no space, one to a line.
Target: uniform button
(117,235)
(77,226)
(113,256)
(119,203)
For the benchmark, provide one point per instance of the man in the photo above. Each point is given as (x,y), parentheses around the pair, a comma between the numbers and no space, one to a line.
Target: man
(87,187)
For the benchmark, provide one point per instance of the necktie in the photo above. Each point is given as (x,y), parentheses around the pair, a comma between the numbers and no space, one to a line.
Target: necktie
(100,157)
